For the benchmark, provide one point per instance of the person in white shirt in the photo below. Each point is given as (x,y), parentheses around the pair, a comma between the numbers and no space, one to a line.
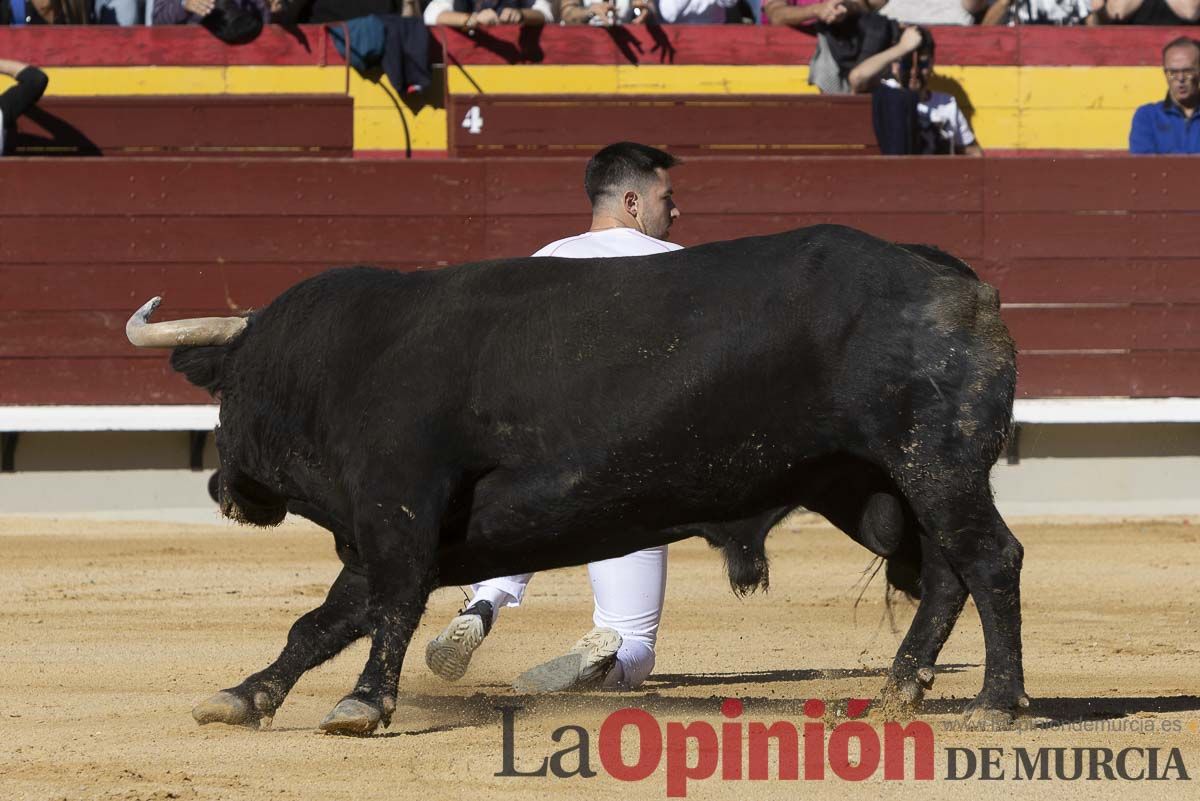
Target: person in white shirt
(633,208)
(638,12)
(471,14)
(938,114)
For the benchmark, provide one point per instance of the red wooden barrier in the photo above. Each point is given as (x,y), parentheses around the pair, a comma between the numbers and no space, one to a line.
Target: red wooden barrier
(1025,45)
(192,125)
(492,125)
(1101,284)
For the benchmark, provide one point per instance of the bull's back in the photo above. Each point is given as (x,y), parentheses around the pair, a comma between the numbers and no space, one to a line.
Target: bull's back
(811,325)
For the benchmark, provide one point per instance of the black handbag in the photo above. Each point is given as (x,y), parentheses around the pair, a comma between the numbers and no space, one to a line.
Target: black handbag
(233,24)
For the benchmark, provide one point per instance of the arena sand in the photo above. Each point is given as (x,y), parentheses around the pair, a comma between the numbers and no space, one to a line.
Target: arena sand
(112,631)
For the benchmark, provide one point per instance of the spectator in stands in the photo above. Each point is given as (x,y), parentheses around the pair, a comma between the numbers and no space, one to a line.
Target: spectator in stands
(1037,12)
(16,100)
(942,127)
(118,12)
(45,12)
(471,14)
(915,12)
(934,12)
(1145,12)
(694,12)
(636,12)
(1170,125)
(603,12)
(180,12)
(295,12)
(803,12)
(854,53)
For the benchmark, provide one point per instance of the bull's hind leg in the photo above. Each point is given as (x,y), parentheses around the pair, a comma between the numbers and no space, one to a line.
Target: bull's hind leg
(984,554)
(316,637)
(942,597)
(397,542)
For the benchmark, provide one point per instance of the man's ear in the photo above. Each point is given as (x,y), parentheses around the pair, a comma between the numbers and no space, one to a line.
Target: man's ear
(630,203)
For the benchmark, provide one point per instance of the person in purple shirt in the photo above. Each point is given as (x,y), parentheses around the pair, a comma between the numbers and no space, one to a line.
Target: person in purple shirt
(179,12)
(1172,125)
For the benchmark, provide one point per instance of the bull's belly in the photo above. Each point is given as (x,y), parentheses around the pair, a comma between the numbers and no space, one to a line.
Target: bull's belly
(599,505)
(463,563)
(520,531)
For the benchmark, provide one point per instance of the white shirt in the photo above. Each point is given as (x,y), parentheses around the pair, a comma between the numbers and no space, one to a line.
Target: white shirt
(928,12)
(941,111)
(434,9)
(606,244)
(1053,12)
(694,12)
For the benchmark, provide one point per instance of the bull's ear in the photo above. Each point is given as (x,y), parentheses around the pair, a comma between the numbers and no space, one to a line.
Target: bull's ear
(202,365)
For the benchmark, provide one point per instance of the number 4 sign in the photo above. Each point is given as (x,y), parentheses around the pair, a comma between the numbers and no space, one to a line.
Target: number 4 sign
(473,122)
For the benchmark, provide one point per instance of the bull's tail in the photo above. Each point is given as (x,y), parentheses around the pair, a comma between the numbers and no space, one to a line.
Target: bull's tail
(993,392)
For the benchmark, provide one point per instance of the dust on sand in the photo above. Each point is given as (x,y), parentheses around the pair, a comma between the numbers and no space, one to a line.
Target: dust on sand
(112,631)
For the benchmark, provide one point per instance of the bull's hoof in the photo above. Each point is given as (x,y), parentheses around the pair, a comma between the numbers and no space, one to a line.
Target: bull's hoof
(980,716)
(234,710)
(901,698)
(352,717)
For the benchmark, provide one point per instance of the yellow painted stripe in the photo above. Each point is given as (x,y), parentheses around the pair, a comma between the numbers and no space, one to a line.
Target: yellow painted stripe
(1092,129)
(285,80)
(1122,88)
(83,81)
(986,87)
(998,128)
(387,129)
(1011,107)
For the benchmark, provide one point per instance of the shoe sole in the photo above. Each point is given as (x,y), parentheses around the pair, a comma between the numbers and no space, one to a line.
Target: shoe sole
(449,653)
(572,671)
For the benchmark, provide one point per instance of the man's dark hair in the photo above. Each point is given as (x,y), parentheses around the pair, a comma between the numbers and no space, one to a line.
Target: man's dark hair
(928,48)
(1180,41)
(622,164)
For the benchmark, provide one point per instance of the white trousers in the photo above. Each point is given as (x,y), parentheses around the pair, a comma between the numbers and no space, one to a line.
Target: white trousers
(628,592)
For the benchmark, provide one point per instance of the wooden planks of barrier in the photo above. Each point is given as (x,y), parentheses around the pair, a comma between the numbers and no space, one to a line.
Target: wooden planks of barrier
(191,125)
(494,125)
(218,236)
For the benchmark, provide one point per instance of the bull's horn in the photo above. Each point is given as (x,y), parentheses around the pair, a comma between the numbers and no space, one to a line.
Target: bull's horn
(174,333)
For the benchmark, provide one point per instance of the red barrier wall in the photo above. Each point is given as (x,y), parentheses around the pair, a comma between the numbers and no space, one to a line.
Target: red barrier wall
(1032,45)
(1095,258)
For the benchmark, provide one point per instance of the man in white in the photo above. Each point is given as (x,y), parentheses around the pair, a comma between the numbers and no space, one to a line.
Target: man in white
(632,212)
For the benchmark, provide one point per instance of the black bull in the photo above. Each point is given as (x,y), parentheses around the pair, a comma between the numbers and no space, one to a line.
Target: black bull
(511,416)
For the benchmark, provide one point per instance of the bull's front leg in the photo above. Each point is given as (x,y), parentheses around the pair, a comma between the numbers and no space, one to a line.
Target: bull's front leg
(315,638)
(398,545)
(942,597)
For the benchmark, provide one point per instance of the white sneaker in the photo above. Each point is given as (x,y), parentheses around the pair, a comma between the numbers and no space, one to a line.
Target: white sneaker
(583,667)
(449,653)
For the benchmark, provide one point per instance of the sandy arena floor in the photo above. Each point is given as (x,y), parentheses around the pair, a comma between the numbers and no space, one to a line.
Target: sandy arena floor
(111,632)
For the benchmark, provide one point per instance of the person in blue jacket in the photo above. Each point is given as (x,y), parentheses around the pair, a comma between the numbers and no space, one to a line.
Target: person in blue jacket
(1171,125)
